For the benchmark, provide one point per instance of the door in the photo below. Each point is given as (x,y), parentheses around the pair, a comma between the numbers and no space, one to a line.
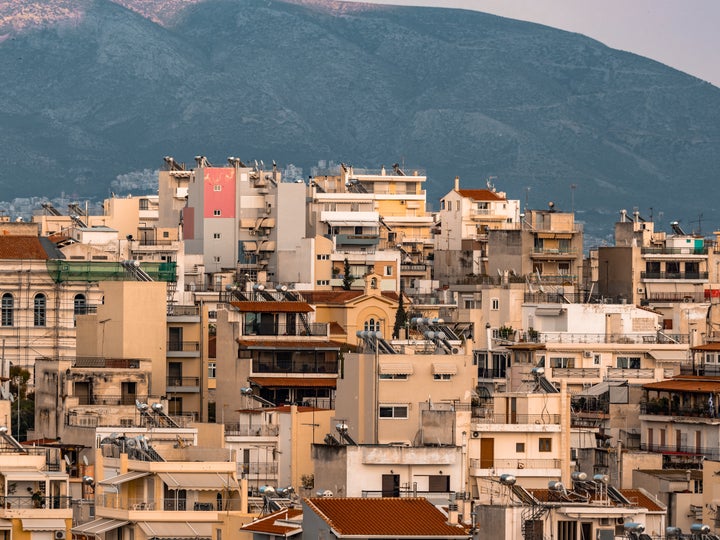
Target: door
(128,392)
(390,485)
(487,453)
(174,374)
(175,339)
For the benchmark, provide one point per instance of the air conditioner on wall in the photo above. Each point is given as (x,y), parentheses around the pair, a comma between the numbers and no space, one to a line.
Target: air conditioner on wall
(587,354)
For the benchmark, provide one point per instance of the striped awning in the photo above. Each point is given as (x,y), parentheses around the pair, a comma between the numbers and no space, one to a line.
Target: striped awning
(99,526)
(122,478)
(396,368)
(444,369)
(182,529)
(43,524)
(198,481)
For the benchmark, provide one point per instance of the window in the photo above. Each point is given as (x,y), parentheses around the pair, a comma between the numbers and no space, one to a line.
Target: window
(628,362)
(442,204)
(144,204)
(217,187)
(439,483)
(212,370)
(39,310)
(495,304)
(166,234)
(393,376)
(562,362)
(80,304)
(8,310)
(358,230)
(393,411)
(520,447)
(544,444)
(216,235)
(372,325)
(442,376)
(216,213)
(323,282)
(388,270)
(216,259)
(596,359)
(323,257)
(567,530)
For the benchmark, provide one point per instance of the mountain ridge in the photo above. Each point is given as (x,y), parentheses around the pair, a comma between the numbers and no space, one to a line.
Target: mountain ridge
(458,92)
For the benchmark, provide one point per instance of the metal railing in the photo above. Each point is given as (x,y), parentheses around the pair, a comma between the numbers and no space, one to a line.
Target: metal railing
(183,346)
(34,501)
(170,504)
(708,452)
(111,399)
(515,463)
(182,381)
(106,363)
(247,430)
(576,373)
(674,275)
(283,329)
(184,311)
(566,337)
(622,373)
(674,251)
(489,373)
(668,408)
(514,418)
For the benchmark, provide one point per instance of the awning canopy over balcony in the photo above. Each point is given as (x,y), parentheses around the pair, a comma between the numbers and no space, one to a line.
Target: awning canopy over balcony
(293,382)
(167,529)
(668,356)
(350,219)
(98,526)
(198,481)
(122,478)
(43,524)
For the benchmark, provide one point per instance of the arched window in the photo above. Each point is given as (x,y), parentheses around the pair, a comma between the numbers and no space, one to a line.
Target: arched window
(372,325)
(39,310)
(8,310)
(80,305)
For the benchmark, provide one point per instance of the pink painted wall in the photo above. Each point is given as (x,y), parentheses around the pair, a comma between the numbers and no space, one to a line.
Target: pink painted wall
(223,200)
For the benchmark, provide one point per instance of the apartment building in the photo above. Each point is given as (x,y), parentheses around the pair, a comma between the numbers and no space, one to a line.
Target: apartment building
(464,218)
(375,219)
(35,492)
(655,268)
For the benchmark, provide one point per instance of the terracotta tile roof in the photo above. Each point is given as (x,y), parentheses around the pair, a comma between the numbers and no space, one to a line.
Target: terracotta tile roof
(378,517)
(480,195)
(636,496)
(687,383)
(294,382)
(340,297)
(715,346)
(273,307)
(269,524)
(285,344)
(21,247)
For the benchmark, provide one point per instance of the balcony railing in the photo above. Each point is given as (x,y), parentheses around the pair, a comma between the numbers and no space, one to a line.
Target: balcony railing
(183,346)
(247,430)
(184,311)
(560,252)
(283,329)
(106,363)
(668,408)
(565,337)
(674,275)
(708,452)
(575,373)
(674,251)
(622,373)
(510,418)
(29,501)
(175,382)
(169,504)
(488,373)
(515,464)
(111,399)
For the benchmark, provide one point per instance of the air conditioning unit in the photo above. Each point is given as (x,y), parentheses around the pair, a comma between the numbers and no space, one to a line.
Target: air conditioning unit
(587,354)
(59,535)
(475,434)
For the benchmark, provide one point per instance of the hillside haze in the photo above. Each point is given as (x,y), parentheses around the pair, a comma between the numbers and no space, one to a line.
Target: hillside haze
(96,89)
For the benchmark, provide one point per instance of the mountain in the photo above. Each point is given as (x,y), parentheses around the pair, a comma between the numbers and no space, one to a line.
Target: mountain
(93,89)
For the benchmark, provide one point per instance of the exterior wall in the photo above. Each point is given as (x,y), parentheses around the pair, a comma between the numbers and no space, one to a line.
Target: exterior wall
(129,324)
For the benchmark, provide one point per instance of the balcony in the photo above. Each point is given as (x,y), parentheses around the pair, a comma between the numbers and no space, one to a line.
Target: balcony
(183,384)
(96,362)
(513,464)
(489,373)
(111,399)
(247,430)
(554,254)
(170,504)
(565,337)
(623,373)
(357,239)
(183,348)
(674,276)
(517,419)
(23,502)
(674,251)
(413,268)
(668,408)
(574,373)
(708,452)
(184,311)
(284,329)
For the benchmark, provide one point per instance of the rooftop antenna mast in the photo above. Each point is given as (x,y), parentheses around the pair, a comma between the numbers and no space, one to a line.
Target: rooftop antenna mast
(699,221)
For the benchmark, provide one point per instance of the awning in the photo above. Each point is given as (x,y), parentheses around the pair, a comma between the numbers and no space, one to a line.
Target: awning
(444,369)
(350,219)
(599,389)
(35,476)
(668,356)
(167,529)
(43,524)
(99,526)
(198,481)
(122,478)
(396,368)
(548,311)
(5,524)
(294,382)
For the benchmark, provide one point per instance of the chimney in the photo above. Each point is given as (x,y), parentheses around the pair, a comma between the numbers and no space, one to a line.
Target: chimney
(457,183)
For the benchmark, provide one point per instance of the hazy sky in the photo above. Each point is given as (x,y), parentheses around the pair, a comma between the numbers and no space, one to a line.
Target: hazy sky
(679,33)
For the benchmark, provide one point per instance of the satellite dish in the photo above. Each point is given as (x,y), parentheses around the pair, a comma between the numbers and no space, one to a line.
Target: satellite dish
(85,461)
(68,460)
(3,429)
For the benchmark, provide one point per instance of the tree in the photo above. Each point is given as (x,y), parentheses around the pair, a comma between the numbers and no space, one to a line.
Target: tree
(400,317)
(347,277)
(18,387)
